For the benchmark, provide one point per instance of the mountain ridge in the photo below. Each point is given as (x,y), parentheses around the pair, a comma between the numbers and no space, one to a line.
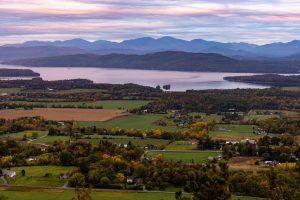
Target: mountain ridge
(168,60)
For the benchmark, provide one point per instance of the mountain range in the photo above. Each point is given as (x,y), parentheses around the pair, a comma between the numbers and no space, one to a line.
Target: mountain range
(168,60)
(146,45)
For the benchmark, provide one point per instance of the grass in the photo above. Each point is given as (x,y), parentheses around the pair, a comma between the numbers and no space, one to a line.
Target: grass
(213,117)
(35,176)
(142,122)
(20,135)
(187,157)
(125,140)
(181,145)
(113,139)
(9,90)
(103,195)
(293,89)
(111,104)
(233,132)
(50,139)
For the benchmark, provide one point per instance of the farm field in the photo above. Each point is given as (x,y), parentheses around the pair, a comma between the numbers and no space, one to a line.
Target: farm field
(141,122)
(109,104)
(64,114)
(187,157)
(233,132)
(59,194)
(181,145)
(36,176)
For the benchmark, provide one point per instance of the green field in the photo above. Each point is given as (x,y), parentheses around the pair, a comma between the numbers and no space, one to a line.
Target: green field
(142,122)
(50,139)
(187,157)
(35,176)
(103,195)
(257,115)
(9,90)
(125,140)
(113,104)
(294,89)
(233,132)
(20,135)
(95,139)
(181,145)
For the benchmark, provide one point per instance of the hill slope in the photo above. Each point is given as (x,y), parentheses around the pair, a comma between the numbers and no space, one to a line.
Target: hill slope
(169,60)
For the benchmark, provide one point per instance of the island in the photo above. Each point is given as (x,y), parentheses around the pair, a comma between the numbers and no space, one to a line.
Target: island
(275,80)
(18,73)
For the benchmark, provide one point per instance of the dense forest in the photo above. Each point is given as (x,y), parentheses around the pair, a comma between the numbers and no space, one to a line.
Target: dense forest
(213,101)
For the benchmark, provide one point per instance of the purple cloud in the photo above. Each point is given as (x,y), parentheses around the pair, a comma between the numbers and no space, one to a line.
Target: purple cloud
(222,20)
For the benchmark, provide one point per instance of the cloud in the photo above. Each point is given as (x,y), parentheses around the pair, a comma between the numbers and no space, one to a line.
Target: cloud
(222,20)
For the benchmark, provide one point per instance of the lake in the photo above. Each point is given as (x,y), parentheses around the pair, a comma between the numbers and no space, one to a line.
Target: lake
(179,81)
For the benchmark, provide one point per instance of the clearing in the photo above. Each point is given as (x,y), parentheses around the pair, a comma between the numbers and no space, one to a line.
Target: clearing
(187,157)
(64,114)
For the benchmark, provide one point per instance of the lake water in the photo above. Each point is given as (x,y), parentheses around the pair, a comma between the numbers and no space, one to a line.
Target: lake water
(179,81)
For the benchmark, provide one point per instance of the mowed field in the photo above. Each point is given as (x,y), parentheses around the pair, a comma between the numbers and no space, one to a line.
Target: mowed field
(233,132)
(65,114)
(187,157)
(36,176)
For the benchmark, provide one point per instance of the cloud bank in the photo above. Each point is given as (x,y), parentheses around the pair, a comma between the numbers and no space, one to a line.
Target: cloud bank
(222,20)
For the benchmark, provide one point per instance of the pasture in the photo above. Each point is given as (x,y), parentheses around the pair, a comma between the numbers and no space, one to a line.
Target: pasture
(40,176)
(141,122)
(186,157)
(181,145)
(95,139)
(233,132)
(20,135)
(64,114)
(125,140)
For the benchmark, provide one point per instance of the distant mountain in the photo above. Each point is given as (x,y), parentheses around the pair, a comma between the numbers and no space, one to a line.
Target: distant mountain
(145,45)
(13,53)
(169,60)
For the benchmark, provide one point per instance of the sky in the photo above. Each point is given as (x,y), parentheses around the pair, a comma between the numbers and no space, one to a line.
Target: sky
(253,21)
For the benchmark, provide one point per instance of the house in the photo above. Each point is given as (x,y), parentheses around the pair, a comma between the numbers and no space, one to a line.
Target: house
(249,141)
(269,162)
(130,179)
(9,173)
(4,94)
(232,142)
(31,158)
(134,180)
(64,175)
